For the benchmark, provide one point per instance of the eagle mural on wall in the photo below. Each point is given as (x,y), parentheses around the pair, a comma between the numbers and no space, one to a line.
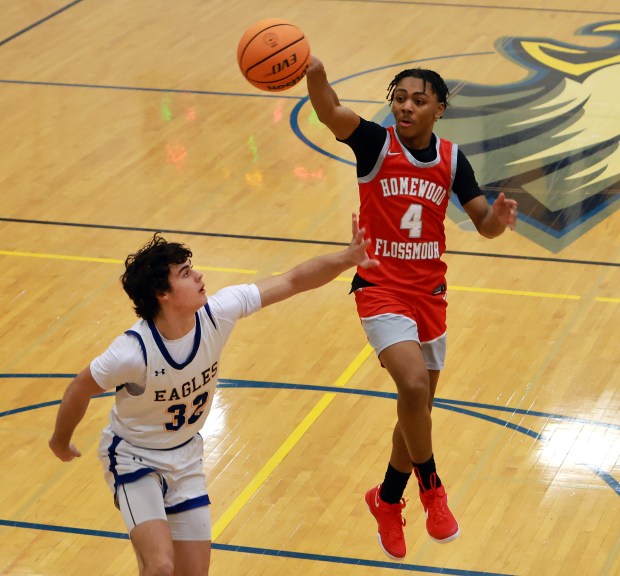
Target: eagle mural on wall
(551,141)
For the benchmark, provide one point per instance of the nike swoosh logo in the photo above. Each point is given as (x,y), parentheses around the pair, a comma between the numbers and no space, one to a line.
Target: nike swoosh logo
(393,153)
(377,498)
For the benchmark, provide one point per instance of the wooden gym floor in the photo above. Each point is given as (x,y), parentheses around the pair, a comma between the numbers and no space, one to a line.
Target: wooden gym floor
(121,118)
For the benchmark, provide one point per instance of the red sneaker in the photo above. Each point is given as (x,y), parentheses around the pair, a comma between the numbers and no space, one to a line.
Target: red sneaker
(390,524)
(440,523)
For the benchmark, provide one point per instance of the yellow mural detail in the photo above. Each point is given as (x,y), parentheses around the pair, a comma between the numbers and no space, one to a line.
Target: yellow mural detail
(537,51)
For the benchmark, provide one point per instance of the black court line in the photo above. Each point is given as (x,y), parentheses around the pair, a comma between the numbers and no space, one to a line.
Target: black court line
(480,6)
(270,95)
(39,22)
(295,240)
(146,89)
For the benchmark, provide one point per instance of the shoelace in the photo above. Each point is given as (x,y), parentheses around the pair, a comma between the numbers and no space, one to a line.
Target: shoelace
(397,510)
(436,502)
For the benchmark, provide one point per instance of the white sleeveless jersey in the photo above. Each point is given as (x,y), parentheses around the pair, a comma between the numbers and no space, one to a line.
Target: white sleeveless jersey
(166,402)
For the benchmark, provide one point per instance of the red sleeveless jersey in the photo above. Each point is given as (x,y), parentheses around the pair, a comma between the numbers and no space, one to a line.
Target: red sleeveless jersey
(403,205)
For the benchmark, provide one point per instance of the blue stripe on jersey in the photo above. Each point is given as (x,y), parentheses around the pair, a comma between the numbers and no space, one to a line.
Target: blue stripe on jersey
(134,333)
(189,504)
(164,351)
(208,311)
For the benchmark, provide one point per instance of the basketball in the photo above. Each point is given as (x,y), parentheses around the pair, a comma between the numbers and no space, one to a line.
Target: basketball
(273,54)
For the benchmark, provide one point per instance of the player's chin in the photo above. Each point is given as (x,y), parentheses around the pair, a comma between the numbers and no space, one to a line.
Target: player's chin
(406,130)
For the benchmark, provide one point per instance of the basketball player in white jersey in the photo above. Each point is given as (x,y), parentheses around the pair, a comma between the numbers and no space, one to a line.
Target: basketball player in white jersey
(164,371)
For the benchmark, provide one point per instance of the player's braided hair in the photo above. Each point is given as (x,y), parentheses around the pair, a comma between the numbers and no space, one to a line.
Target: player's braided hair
(146,273)
(435,80)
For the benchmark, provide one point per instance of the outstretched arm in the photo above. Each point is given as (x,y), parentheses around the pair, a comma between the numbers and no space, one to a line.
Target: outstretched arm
(70,413)
(341,120)
(492,220)
(317,271)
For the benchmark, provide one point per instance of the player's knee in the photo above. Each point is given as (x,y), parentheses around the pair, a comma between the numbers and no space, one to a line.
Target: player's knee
(413,391)
(159,565)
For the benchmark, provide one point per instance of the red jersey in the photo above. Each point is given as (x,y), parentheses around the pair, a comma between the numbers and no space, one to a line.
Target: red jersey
(403,205)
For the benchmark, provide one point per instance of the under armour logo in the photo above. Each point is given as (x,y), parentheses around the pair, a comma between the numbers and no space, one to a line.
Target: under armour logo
(158,372)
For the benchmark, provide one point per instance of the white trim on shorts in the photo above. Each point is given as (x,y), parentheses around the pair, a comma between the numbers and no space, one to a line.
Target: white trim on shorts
(385,330)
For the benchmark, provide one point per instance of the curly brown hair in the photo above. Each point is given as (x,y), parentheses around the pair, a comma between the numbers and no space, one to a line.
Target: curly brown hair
(147,273)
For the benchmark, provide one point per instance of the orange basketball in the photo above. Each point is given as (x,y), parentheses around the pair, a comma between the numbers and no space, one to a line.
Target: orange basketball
(273,54)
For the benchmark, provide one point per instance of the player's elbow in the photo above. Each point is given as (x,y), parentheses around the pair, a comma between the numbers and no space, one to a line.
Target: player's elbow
(490,231)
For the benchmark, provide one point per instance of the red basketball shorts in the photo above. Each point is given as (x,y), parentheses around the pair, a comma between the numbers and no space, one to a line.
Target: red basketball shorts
(390,316)
(427,310)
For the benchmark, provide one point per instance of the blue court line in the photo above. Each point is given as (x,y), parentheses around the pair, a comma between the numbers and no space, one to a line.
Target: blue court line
(557,234)
(31,407)
(294,116)
(607,477)
(528,412)
(65,529)
(493,419)
(226,383)
(267,551)
(37,375)
(442,403)
(39,22)
(445,403)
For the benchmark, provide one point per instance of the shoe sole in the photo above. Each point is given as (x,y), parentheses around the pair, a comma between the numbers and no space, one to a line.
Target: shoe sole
(395,558)
(448,539)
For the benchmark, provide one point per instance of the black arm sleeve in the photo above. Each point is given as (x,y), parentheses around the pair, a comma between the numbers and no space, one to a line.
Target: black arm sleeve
(465,186)
(366,142)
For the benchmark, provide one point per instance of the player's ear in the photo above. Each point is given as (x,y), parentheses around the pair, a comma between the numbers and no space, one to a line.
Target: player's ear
(162,296)
(441,108)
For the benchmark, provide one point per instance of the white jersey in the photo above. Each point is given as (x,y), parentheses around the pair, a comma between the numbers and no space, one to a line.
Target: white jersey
(164,389)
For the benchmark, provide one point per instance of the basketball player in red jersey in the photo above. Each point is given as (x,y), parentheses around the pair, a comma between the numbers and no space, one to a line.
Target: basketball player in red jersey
(406,175)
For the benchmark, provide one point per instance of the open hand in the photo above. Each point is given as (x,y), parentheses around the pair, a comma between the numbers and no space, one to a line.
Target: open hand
(358,246)
(505,210)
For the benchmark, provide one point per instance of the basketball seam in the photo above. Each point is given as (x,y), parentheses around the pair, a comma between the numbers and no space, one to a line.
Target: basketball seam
(279,81)
(271,56)
(247,44)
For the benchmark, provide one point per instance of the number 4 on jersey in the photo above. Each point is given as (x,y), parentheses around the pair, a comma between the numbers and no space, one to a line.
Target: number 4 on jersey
(412,221)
